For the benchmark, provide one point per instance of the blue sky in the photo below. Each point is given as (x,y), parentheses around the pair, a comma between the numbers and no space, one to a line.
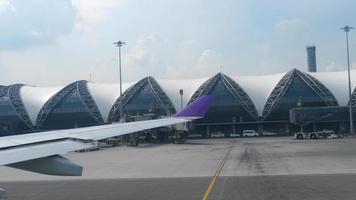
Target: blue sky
(54,42)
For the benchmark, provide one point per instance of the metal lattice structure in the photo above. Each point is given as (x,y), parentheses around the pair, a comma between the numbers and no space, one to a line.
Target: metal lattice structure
(131,92)
(236,91)
(89,102)
(279,90)
(283,85)
(205,88)
(85,98)
(353,98)
(15,100)
(319,89)
(3,90)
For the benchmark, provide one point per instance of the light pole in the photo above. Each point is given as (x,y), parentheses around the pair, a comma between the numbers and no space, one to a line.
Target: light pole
(181,99)
(120,44)
(347,29)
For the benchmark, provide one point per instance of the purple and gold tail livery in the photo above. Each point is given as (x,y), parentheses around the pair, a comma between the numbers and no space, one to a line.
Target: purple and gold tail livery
(197,109)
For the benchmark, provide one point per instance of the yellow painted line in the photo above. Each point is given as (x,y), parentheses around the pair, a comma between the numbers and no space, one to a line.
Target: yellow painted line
(217,173)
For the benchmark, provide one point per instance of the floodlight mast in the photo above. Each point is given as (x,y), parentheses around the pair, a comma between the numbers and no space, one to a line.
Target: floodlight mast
(181,99)
(120,44)
(347,29)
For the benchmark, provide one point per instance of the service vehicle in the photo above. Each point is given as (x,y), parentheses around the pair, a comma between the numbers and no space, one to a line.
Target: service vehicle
(195,136)
(249,133)
(235,135)
(335,136)
(266,133)
(306,135)
(113,141)
(323,134)
(217,135)
(95,146)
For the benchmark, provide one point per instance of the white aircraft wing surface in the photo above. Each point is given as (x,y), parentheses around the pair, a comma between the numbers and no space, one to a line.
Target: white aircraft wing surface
(40,152)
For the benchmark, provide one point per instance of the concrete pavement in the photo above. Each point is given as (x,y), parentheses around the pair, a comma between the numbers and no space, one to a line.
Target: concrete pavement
(256,168)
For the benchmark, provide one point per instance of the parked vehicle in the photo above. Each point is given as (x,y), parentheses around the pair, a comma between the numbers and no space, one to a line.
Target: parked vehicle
(195,136)
(299,136)
(335,136)
(249,133)
(326,131)
(142,138)
(172,137)
(235,135)
(154,136)
(306,135)
(323,134)
(95,147)
(3,194)
(114,141)
(180,136)
(266,133)
(217,135)
(332,136)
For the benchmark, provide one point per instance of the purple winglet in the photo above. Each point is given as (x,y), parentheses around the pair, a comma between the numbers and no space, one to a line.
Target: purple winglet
(197,109)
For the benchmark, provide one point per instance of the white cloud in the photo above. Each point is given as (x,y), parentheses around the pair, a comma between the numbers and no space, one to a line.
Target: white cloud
(44,65)
(28,67)
(207,58)
(36,33)
(25,24)
(141,58)
(141,52)
(263,47)
(206,64)
(5,6)
(291,25)
(331,66)
(104,69)
(92,11)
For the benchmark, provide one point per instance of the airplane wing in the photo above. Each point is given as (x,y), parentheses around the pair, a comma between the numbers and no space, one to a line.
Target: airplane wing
(41,152)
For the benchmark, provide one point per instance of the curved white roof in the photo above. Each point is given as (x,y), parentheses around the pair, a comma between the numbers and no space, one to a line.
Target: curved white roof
(172,87)
(337,83)
(34,98)
(105,95)
(258,88)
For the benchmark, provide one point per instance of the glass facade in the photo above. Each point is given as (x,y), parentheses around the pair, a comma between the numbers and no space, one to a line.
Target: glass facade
(231,112)
(145,97)
(10,122)
(69,112)
(225,107)
(144,102)
(297,94)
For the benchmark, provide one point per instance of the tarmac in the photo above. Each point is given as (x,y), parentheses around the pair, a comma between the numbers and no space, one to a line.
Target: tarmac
(250,168)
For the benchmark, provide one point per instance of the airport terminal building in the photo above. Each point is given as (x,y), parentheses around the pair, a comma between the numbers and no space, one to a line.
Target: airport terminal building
(261,103)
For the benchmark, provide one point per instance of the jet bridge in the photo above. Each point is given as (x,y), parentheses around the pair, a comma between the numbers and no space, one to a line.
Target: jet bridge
(307,115)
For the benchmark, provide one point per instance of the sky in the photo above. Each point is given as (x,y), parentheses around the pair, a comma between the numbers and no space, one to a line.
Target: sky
(55,42)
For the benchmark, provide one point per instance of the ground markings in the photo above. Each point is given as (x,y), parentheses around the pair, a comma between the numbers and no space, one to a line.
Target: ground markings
(217,173)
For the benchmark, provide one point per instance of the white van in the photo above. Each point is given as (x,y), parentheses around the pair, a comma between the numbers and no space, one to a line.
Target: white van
(249,133)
